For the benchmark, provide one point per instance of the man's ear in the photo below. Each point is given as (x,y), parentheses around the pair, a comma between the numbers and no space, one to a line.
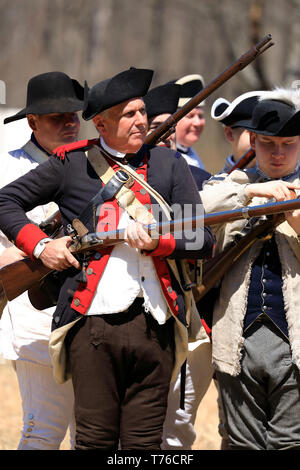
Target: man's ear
(228,134)
(252,139)
(31,121)
(99,123)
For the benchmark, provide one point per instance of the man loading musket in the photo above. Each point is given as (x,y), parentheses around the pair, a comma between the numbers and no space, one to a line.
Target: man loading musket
(118,318)
(256,326)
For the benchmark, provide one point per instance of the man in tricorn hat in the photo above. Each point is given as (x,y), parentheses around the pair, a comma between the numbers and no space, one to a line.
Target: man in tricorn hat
(161,102)
(119,310)
(256,326)
(191,126)
(230,115)
(53,100)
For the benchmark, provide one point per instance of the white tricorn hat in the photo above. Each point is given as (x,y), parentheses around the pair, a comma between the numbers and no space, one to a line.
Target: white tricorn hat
(190,86)
(238,111)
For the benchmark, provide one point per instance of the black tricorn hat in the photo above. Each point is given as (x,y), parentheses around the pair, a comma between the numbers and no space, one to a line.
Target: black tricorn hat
(51,92)
(238,112)
(132,83)
(275,117)
(162,99)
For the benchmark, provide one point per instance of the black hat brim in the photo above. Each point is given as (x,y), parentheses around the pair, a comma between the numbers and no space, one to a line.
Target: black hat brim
(289,128)
(67,105)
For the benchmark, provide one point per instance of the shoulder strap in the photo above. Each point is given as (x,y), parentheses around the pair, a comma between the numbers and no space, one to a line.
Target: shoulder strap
(125,197)
(34,152)
(164,205)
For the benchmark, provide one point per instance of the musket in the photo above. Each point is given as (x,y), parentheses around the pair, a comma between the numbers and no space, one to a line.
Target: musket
(158,134)
(214,269)
(167,127)
(53,223)
(20,276)
(248,156)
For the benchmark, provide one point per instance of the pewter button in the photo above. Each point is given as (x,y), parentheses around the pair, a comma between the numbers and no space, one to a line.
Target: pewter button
(97,255)
(148,206)
(143,191)
(56,319)
(76,302)
(169,289)
(142,176)
(89,271)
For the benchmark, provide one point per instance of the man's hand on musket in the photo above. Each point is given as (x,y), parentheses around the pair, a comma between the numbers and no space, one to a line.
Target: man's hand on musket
(136,237)
(279,190)
(11,255)
(56,255)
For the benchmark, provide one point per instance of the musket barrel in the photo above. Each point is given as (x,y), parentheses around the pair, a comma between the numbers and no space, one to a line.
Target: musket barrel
(238,65)
(192,223)
(252,211)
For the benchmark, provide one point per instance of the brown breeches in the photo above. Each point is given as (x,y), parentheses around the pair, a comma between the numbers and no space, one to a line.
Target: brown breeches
(121,366)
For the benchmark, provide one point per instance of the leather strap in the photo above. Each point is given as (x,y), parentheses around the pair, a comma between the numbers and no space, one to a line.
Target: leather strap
(125,197)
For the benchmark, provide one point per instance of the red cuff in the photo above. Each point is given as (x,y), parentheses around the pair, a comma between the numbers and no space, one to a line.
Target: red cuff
(28,238)
(166,246)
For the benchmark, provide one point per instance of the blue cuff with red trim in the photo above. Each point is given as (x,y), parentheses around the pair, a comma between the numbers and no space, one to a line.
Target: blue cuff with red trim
(28,237)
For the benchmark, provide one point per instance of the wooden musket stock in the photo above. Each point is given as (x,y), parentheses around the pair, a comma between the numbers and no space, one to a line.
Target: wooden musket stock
(243,161)
(214,269)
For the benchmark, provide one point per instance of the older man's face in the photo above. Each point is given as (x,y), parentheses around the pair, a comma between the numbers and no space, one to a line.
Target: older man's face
(53,130)
(124,126)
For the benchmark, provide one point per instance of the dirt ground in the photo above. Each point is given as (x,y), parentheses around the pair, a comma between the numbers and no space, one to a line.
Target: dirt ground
(11,415)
